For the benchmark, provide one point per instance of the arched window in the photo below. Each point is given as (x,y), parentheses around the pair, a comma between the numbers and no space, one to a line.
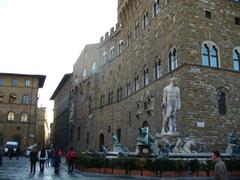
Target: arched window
(102,100)
(112,53)
(87,138)
(120,47)
(25,99)
(221,103)
(110,97)
(128,88)
(136,30)
(156,7)
(76,79)
(11,116)
(94,68)
(136,82)
(172,59)
(145,76)
(101,141)
(214,57)
(236,59)
(210,54)
(145,19)
(118,133)
(158,69)
(89,105)
(104,58)
(24,117)
(129,39)
(205,55)
(84,74)
(145,124)
(118,94)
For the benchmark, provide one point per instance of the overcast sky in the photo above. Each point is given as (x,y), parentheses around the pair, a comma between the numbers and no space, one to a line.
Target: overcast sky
(47,36)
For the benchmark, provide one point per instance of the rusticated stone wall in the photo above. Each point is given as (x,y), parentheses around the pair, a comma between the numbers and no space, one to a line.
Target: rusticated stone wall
(182,25)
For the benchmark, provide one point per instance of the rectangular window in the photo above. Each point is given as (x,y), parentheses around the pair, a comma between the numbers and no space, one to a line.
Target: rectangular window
(237,21)
(109,129)
(14,82)
(1,82)
(27,83)
(25,100)
(208,14)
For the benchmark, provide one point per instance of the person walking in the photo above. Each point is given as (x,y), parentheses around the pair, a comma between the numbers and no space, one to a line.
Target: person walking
(10,152)
(48,159)
(60,152)
(33,159)
(71,157)
(52,153)
(221,172)
(57,161)
(42,156)
(18,151)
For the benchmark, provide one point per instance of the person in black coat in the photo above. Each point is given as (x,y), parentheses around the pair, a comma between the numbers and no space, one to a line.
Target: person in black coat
(57,161)
(18,151)
(10,152)
(33,159)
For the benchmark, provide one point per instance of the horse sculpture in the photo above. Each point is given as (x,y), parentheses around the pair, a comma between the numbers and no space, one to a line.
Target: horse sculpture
(185,146)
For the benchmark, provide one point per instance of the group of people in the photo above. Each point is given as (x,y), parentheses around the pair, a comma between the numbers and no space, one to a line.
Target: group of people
(51,157)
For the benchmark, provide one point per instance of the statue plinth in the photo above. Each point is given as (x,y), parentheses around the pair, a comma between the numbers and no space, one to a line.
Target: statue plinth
(167,134)
(170,138)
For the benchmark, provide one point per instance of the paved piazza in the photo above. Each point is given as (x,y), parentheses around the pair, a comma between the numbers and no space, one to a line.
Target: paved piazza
(19,170)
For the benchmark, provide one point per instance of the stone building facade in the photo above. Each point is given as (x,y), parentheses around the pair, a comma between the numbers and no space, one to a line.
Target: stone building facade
(84,98)
(61,123)
(18,107)
(42,129)
(197,42)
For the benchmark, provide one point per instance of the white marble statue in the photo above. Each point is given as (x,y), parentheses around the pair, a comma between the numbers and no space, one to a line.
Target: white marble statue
(171,103)
(189,145)
(185,146)
(178,147)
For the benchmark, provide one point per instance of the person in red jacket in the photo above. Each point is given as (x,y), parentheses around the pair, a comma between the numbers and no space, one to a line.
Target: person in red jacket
(71,157)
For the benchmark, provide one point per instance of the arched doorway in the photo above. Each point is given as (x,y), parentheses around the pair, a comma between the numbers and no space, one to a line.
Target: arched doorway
(17,138)
(101,141)
(145,124)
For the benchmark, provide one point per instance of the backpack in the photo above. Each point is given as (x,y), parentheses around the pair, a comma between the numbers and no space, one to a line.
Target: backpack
(42,154)
(73,155)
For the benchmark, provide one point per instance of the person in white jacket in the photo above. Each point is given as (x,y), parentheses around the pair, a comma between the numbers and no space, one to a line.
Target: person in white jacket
(42,157)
